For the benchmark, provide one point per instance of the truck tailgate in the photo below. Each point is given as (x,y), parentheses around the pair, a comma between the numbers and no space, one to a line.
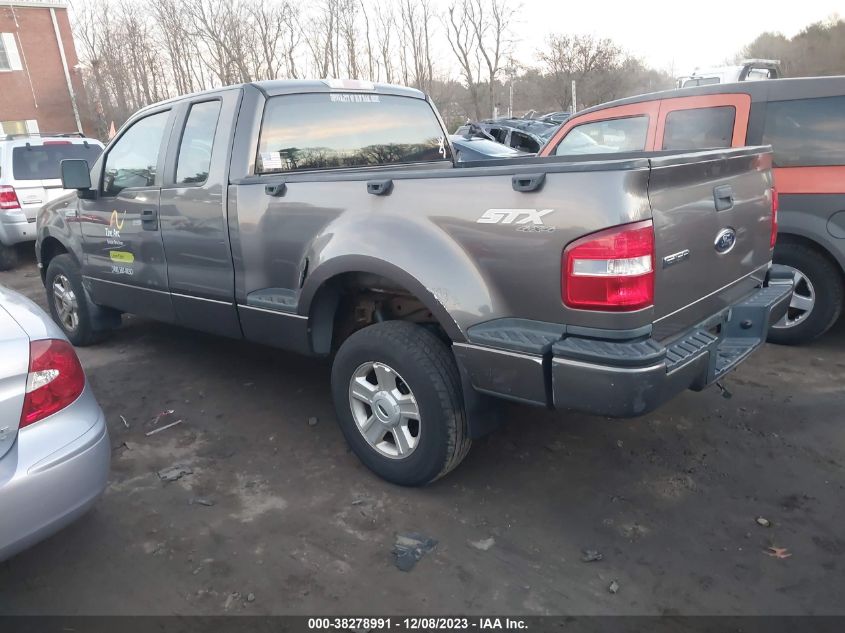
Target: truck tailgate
(712,215)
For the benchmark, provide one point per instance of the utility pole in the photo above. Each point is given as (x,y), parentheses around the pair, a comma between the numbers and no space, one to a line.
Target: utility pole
(574,98)
(510,100)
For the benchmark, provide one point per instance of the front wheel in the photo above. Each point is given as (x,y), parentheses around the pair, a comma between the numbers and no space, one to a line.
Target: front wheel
(69,306)
(397,393)
(817,295)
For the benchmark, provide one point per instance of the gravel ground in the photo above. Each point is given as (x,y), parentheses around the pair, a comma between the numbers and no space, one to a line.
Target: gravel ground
(277,517)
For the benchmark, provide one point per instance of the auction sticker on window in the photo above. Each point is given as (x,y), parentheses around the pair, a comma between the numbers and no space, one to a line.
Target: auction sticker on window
(271,160)
(352,98)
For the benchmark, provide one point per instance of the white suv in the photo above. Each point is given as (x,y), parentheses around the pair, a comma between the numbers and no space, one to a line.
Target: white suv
(29,178)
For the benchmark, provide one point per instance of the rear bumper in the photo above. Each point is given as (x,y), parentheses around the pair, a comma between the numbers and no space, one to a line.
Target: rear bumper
(54,473)
(15,228)
(619,378)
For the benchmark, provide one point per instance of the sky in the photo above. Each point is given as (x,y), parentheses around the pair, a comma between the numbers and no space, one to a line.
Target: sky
(673,36)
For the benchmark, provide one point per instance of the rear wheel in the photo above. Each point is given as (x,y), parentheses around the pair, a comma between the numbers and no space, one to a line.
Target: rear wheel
(817,296)
(8,257)
(68,303)
(397,393)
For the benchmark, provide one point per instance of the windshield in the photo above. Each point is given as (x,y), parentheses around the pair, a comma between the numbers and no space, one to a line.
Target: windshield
(43,162)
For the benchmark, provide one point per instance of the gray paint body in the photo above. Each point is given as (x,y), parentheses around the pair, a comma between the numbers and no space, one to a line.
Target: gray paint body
(229,258)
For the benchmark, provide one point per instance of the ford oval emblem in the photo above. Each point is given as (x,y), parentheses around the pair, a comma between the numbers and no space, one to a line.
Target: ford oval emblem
(725,240)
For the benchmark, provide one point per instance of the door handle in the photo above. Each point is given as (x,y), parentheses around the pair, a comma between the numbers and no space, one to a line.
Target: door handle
(723,196)
(149,219)
(379,187)
(528,182)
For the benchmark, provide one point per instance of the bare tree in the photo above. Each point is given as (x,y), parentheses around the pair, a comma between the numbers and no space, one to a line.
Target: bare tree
(480,37)
(568,58)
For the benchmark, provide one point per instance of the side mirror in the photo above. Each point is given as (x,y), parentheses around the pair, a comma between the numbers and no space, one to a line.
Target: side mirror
(76,174)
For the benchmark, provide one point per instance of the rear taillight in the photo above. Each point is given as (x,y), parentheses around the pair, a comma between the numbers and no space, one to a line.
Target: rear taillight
(55,379)
(8,198)
(610,270)
(775,205)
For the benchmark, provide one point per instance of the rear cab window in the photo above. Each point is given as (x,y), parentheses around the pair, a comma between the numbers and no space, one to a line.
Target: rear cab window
(628,134)
(43,162)
(338,130)
(699,128)
(806,132)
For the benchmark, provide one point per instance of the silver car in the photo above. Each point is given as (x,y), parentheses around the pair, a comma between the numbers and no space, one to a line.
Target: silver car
(54,445)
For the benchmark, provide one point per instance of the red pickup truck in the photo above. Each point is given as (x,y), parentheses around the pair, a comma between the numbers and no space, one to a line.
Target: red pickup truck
(804,122)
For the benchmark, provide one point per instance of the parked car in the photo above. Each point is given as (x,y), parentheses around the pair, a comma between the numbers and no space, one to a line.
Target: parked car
(29,177)
(469,148)
(430,283)
(54,445)
(524,135)
(803,120)
(747,70)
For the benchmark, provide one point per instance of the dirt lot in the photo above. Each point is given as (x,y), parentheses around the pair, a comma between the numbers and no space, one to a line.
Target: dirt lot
(670,499)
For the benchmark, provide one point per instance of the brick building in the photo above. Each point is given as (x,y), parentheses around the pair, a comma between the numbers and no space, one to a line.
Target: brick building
(40,86)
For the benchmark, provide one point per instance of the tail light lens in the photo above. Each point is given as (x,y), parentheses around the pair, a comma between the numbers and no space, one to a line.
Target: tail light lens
(775,206)
(8,198)
(611,270)
(55,379)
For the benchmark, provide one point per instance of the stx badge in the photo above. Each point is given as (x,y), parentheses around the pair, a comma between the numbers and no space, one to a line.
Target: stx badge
(509,216)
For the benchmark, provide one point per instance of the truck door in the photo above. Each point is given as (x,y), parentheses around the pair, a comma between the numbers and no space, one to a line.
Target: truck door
(193,214)
(123,257)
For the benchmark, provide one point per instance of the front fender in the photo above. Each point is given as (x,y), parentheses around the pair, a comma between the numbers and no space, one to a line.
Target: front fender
(59,220)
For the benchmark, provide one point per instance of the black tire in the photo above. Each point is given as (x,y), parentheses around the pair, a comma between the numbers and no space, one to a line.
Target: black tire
(8,256)
(85,332)
(426,364)
(826,279)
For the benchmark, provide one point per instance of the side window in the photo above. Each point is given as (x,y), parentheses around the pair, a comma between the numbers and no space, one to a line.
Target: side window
(327,130)
(194,160)
(606,137)
(132,161)
(806,132)
(524,143)
(500,134)
(699,128)
(700,81)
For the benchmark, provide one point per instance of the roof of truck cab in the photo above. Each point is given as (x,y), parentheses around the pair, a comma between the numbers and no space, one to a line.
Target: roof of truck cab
(762,90)
(277,87)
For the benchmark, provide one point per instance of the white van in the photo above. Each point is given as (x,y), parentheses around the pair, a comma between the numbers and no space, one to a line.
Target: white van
(29,178)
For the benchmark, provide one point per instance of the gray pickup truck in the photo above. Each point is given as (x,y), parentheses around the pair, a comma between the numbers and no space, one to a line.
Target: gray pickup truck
(328,218)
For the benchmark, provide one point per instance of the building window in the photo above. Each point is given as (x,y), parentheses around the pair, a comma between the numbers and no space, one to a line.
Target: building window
(9,58)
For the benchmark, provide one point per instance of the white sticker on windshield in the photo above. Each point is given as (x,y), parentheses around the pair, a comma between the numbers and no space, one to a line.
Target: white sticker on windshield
(271,160)
(353,98)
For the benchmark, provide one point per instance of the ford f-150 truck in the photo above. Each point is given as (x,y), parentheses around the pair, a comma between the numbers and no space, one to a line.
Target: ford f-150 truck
(329,218)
